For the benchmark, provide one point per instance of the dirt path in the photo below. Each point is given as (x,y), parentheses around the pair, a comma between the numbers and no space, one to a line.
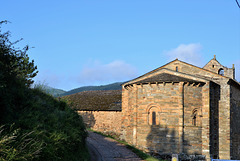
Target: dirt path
(106,149)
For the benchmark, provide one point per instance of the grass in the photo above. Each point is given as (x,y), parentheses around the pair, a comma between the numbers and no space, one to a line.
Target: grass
(138,152)
(44,128)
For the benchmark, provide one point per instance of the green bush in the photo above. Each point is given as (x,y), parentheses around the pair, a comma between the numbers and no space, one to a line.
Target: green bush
(17,146)
(59,129)
(44,127)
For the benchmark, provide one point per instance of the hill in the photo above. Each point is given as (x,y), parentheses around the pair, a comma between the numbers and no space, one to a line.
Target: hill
(49,90)
(53,91)
(113,86)
(95,100)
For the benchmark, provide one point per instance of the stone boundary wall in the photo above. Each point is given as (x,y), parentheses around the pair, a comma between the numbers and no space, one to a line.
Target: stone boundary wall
(108,122)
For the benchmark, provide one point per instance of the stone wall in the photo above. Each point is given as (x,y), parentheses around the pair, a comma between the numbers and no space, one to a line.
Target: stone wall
(103,121)
(214,120)
(193,70)
(235,123)
(166,134)
(192,119)
(214,66)
(162,134)
(196,117)
(224,104)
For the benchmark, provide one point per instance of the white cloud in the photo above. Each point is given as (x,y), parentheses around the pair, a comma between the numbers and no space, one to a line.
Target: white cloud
(48,78)
(93,73)
(96,72)
(189,53)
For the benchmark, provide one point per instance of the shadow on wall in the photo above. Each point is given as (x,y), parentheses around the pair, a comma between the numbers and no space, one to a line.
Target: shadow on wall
(88,119)
(162,142)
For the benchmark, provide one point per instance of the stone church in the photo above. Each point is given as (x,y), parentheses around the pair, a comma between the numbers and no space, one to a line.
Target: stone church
(178,108)
(181,108)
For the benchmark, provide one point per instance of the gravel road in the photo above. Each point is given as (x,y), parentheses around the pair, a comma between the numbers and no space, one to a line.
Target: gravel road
(106,149)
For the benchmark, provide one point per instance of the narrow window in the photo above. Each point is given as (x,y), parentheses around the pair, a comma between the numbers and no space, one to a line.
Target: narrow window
(153,118)
(213,66)
(221,72)
(194,118)
(176,68)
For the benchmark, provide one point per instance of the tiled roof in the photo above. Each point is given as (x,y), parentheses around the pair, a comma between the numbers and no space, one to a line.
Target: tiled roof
(95,100)
(162,67)
(164,77)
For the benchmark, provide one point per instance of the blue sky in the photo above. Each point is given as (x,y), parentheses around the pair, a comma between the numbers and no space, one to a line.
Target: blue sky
(79,42)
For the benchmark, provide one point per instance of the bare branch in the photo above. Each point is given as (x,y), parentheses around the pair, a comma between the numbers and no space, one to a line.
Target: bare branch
(237,3)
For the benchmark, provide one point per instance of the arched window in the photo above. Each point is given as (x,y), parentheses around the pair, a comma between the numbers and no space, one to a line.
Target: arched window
(221,72)
(194,118)
(153,118)
(176,68)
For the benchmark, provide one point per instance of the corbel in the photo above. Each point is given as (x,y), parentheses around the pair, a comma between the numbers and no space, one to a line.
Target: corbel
(149,84)
(131,86)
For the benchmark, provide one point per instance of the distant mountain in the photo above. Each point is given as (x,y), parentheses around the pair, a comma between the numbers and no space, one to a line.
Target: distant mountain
(50,90)
(54,92)
(113,86)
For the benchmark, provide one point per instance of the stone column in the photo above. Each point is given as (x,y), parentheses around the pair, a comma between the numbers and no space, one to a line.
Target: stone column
(206,121)
(135,114)
(181,117)
(224,122)
(125,118)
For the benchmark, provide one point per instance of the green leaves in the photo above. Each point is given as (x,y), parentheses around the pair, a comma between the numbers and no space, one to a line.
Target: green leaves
(14,62)
(45,129)
(15,145)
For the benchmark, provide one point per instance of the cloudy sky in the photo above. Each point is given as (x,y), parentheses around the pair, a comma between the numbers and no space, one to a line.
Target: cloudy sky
(79,42)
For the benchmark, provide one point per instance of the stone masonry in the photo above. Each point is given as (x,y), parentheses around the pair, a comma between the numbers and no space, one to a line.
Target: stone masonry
(104,121)
(179,109)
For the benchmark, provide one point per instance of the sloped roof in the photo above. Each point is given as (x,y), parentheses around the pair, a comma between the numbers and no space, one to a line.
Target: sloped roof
(214,59)
(162,67)
(95,100)
(165,77)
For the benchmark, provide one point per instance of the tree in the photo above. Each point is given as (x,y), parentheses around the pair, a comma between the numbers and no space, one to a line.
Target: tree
(16,74)
(14,62)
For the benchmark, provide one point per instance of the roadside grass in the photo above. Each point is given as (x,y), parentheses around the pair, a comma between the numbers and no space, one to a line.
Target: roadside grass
(138,152)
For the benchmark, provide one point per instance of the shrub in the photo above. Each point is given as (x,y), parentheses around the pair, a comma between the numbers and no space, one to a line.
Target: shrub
(45,128)
(17,146)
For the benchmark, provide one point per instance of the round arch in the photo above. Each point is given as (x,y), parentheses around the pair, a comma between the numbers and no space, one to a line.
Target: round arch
(221,71)
(151,105)
(153,114)
(195,117)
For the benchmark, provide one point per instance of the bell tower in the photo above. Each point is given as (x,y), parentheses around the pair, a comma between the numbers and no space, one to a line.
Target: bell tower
(214,66)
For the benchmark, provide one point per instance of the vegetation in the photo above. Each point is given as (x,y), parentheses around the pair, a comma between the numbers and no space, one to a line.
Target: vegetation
(34,125)
(49,90)
(17,146)
(139,153)
(95,100)
(113,86)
